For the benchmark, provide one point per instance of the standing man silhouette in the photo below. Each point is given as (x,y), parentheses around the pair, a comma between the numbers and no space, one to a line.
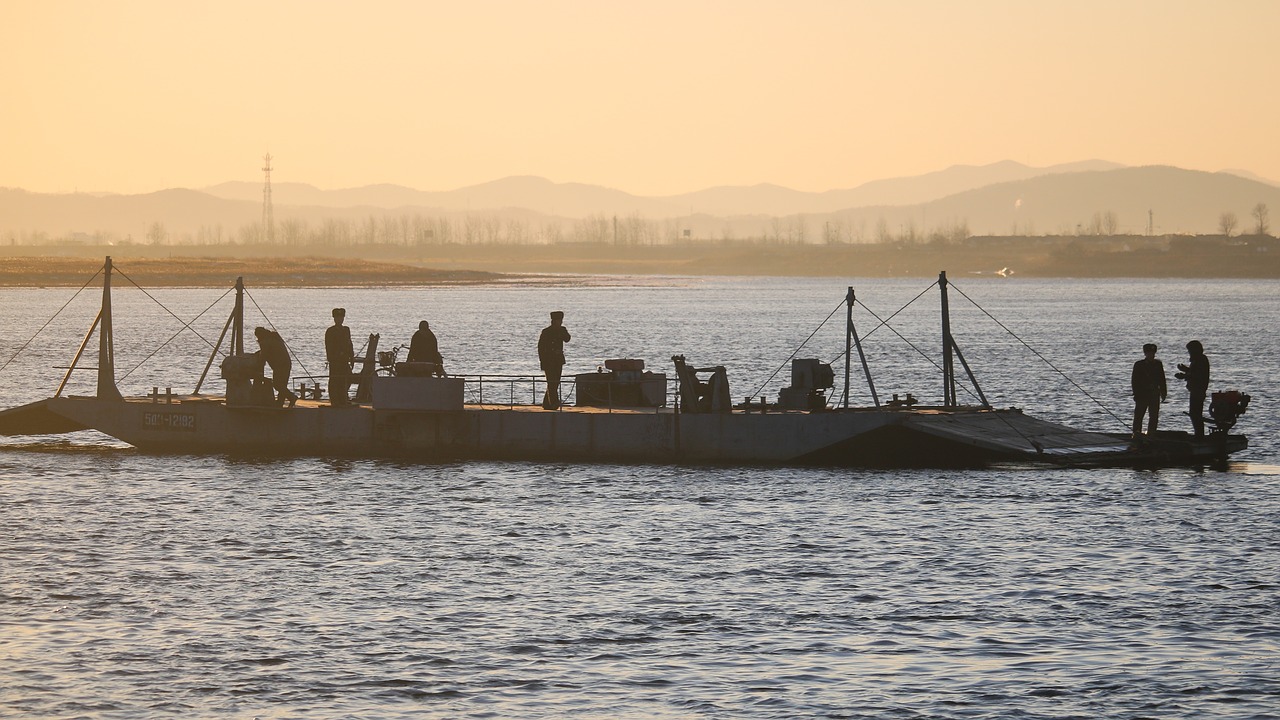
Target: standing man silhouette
(340,353)
(1149,390)
(1197,376)
(551,357)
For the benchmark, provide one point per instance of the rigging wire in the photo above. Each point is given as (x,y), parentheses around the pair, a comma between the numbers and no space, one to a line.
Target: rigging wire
(798,349)
(186,326)
(175,335)
(50,320)
(1043,358)
(885,323)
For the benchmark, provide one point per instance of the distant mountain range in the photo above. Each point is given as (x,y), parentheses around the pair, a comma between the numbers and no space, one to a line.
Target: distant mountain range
(1002,198)
(578,200)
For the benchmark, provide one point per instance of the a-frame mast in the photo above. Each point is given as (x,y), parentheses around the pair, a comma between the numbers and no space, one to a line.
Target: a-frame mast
(950,351)
(852,340)
(107,389)
(234,320)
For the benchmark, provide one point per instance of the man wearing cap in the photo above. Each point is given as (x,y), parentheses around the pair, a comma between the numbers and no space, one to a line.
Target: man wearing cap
(551,357)
(1197,376)
(1149,390)
(340,354)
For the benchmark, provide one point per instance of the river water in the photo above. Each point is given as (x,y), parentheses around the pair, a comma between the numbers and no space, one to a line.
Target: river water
(142,586)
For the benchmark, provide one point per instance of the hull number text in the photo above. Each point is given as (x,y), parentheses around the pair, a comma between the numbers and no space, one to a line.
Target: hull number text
(178,422)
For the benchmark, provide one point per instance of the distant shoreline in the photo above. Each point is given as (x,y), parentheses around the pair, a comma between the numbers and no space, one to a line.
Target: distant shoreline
(1204,257)
(183,271)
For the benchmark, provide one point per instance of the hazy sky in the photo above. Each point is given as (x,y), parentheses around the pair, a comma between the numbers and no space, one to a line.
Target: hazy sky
(651,97)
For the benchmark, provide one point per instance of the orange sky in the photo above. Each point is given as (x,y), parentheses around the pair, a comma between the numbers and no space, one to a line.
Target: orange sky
(651,97)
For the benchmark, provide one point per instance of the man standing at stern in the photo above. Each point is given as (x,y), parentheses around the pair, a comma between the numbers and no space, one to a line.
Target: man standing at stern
(1197,376)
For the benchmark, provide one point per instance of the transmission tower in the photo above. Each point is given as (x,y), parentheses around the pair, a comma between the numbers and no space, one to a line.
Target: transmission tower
(268,215)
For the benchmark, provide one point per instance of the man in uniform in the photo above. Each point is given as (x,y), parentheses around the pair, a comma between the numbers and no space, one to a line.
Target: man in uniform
(1149,390)
(551,357)
(340,353)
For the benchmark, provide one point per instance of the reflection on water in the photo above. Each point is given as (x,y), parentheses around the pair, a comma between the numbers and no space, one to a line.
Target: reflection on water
(135,585)
(1255,469)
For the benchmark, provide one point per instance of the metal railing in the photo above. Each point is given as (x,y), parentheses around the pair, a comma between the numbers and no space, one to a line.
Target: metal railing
(513,390)
(508,389)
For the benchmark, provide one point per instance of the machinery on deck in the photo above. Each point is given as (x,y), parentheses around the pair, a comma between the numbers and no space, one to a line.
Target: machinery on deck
(810,377)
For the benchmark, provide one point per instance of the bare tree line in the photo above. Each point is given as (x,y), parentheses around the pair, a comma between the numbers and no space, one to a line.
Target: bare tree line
(1228,222)
(421,230)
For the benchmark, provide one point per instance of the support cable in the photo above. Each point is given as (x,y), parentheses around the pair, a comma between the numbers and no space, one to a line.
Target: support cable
(798,348)
(934,363)
(884,322)
(50,320)
(923,354)
(185,326)
(1043,358)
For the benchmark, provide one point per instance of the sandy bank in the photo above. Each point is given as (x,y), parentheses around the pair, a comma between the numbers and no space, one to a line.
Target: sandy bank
(44,271)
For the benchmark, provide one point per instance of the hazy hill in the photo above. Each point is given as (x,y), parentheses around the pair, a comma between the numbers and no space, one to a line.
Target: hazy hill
(1251,176)
(576,200)
(530,193)
(122,215)
(956,179)
(533,209)
(775,200)
(1179,201)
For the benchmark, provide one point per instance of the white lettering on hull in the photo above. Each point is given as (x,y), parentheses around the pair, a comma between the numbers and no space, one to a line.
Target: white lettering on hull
(169,421)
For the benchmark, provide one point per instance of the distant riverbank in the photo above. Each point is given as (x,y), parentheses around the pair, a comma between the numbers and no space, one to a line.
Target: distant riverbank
(378,265)
(179,271)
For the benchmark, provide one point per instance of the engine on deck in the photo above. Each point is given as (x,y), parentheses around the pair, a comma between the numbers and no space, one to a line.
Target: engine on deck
(246,386)
(810,377)
(1224,409)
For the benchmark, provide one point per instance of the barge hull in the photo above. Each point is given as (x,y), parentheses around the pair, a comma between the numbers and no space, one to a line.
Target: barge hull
(891,437)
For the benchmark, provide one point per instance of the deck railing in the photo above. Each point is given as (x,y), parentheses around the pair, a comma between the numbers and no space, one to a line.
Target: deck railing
(509,390)
(512,390)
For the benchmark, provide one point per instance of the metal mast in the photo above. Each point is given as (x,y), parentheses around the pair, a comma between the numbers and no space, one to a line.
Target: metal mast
(106,342)
(235,323)
(948,368)
(852,340)
(268,216)
(950,352)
